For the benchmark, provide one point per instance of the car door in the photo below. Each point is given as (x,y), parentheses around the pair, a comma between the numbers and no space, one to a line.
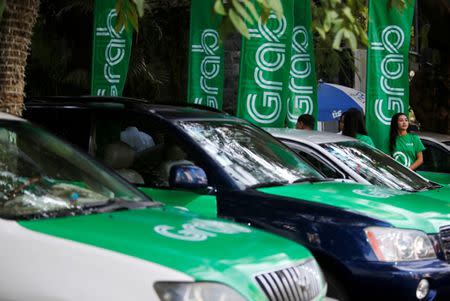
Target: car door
(142,149)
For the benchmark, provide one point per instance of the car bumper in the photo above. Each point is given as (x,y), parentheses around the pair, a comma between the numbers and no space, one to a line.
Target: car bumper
(387,281)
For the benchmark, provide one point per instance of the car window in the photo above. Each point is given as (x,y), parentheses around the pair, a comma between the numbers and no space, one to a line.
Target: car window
(315,160)
(435,158)
(139,149)
(70,125)
(446,143)
(323,167)
(375,166)
(250,156)
(40,175)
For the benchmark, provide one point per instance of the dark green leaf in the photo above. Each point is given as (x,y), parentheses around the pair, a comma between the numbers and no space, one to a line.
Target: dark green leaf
(242,12)
(238,23)
(219,8)
(251,7)
(2,8)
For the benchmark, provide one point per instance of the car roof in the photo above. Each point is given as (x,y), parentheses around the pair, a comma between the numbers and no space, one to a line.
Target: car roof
(308,136)
(172,111)
(4,116)
(433,136)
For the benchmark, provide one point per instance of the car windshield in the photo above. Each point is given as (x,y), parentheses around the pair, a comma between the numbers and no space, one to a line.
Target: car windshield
(248,155)
(40,176)
(375,166)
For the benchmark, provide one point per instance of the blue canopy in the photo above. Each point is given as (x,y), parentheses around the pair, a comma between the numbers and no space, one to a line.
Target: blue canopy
(336,99)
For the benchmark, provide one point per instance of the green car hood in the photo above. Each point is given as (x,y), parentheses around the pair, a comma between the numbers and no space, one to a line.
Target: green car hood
(232,257)
(401,209)
(438,177)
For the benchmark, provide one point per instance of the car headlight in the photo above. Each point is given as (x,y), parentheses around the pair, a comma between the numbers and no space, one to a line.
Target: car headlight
(391,244)
(196,291)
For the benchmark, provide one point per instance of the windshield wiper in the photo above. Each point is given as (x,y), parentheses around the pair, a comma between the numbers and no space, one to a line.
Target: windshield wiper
(115,204)
(269,184)
(282,183)
(310,180)
(110,205)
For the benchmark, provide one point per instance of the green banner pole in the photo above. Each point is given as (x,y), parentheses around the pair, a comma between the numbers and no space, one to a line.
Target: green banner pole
(206,56)
(264,70)
(387,90)
(302,77)
(111,51)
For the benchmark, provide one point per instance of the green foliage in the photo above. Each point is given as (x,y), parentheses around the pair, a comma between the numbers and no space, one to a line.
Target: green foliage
(2,7)
(400,4)
(342,22)
(128,12)
(238,13)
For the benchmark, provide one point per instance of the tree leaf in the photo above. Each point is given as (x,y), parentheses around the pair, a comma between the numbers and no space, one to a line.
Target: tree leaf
(251,7)
(132,18)
(219,8)
(321,32)
(348,13)
(338,39)
(238,23)
(139,6)
(351,38)
(241,11)
(2,8)
(277,7)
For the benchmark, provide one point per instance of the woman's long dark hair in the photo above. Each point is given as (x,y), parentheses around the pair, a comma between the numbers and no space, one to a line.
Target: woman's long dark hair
(393,132)
(353,123)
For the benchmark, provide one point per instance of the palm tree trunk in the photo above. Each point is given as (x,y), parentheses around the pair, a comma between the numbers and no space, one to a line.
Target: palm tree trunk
(16,29)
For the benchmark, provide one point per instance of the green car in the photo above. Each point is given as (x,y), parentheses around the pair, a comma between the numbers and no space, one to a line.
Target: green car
(71,230)
(391,243)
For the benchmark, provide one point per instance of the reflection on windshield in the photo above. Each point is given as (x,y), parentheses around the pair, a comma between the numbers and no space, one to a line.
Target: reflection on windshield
(39,175)
(375,166)
(249,156)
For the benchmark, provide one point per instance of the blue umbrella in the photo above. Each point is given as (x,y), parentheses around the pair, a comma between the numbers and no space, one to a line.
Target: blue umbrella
(336,99)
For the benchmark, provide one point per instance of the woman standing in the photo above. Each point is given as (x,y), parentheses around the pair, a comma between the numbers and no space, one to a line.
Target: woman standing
(354,126)
(406,148)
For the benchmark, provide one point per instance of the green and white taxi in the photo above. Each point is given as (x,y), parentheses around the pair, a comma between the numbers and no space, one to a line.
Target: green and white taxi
(71,230)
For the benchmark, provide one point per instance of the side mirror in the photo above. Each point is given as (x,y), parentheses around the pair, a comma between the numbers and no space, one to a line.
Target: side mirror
(188,177)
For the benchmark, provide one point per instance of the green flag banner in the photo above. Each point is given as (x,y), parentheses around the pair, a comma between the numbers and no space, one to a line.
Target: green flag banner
(264,69)
(206,56)
(387,90)
(302,77)
(111,51)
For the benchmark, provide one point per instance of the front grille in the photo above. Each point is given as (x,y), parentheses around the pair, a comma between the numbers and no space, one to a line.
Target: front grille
(303,282)
(445,239)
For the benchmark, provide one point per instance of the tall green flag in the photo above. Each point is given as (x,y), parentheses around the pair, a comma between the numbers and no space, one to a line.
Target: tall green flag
(387,90)
(111,51)
(264,69)
(206,56)
(302,76)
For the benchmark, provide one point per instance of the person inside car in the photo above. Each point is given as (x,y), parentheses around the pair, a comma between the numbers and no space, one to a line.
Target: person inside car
(305,122)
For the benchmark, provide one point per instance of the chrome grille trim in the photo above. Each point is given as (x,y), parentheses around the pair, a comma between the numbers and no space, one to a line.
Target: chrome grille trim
(444,235)
(302,282)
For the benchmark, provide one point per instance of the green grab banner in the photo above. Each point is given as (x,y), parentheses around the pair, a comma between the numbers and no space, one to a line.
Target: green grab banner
(111,51)
(264,70)
(206,56)
(302,75)
(387,90)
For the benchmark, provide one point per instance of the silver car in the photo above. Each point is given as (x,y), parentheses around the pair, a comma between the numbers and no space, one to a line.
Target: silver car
(343,157)
(437,153)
